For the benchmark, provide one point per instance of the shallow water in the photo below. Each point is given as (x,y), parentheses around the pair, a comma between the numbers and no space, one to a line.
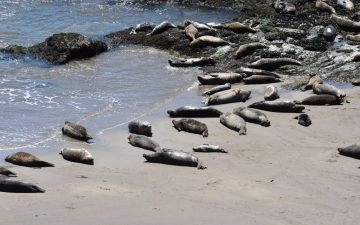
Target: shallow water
(103,92)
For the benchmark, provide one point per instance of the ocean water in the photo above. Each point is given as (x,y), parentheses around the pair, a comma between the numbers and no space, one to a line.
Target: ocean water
(100,93)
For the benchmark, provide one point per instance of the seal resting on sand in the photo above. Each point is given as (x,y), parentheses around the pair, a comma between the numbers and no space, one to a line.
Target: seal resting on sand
(228,96)
(303,119)
(174,157)
(7,172)
(351,151)
(144,142)
(140,127)
(260,79)
(26,159)
(271,93)
(209,148)
(192,126)
(233,122)
(18,186)
(218,88)
(321,89)
(220,78)
(77,155)
(320,100)
(277,106)
(252,116)
(76,131)
(191,111)
(314,79)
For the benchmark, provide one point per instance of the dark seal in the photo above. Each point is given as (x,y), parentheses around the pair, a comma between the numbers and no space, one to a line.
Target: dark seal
(252,116)
(18,186)
(351,151)
(76,131)
(192,126)
(303,119)
(191,111)
(26,159)
(277,106)
(7,172)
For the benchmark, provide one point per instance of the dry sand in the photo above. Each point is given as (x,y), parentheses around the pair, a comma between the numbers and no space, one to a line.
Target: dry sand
(282,174)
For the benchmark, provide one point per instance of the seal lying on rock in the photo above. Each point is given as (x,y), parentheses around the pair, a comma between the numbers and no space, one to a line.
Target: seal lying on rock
(181,62)
(314,79)
(273,63)
(329,33)
(209,148)
(240,28)
(200,26)
(356,58)
(271,93)
(281,6)
(347,4)
(191,125)
(303,119)
(76,131)
(215,25)
(261,79)
(345,23)
(191,31)
(353,37)
(228,96)
(249,49)
(26,159)
(322,6)
(206,33)
(233,122)
(277,106)
(77,155)
(216,89)
(6,172)
(144,142)
(321,89)
(140,127)
(18,186)
(351,151)
(251,71)
(208,41)
(143,27)
(252,116)
(174,157)
(220,78)
(162,27)
(191,111)
(320,100)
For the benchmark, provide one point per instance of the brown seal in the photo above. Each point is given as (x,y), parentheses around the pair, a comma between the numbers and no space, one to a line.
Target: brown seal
(314,79)
(329,89)
(320,100)
(271,93)
(351,151)
(303,120)
(77,155)
(356,58)
(26,159)
(322,6)
(6,172)
(76,131)
(144,142)
(233,122)
(249,49)
(191,125)
(345,23)
(191,31)
(240,28)
(353,37)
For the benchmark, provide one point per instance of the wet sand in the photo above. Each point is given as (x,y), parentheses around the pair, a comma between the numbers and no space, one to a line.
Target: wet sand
(282,174)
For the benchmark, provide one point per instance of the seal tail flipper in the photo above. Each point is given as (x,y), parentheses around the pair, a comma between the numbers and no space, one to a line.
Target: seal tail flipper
(296,117)
(205,133)
(89,137)
(200,166)
(38,189)
(224,151)
(206,101)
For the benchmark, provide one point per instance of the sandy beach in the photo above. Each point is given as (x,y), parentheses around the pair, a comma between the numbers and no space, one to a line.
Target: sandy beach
(282,174)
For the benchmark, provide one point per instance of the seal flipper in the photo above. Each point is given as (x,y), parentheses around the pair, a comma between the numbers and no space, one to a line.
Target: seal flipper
(200,166)
(41,163)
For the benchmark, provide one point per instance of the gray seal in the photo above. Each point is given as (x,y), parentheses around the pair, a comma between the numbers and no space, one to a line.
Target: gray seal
(314,79)
(252,116)
(26,159)
(192,126)
(209,148)
(322,89)
(273,63)
(251,71)
(240,28)
(322,6)
(261,79)
(162,27)
(352,151)
(329,33)
(271,93)
(204,41)
(249,49)
(181,62)
(277,106)
(200,26)
(216,89)
(345,23)
(174,157)
(320,100)
(76,131)
(18,186)
(143,27)
(140,127)
(228,96)
(191,111)
(77,155)
(7,172)
(347,4)
(206,33)
(220,78)
(233,122)
(144,142)
(303,119)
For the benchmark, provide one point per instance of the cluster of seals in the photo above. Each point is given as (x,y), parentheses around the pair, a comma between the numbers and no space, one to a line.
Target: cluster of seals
(181,62)
(76,131)
(164,26)
(174,157)
(249,49)
(314,79)
(192,126)
(277,106)
(228,96)
(220,78)
(233,122)
(26,159)
(191,111)
(303,119)
(140,127)
(251,71)
(273,63)
(271,93)
(261,79)
(216,89)
(252,116)
(209,148)
(7,172)
(144,142)
(204,41)
(77,155)
(320,100)
(351,151)
(240,28)
(18,186)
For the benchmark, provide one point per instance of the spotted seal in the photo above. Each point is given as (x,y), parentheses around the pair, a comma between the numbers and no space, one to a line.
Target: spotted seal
(322,6)
(220,78)
(351,151)
(191,111)
(347,4)
(261,79)
(77,155)
(174,157)
(252,116)
(140,127)
(228,96)
(162,27)
(7,172)
(26,159)
(273,63)
(209,148)
(321,89)
(143,27)
(240,28)
(314,79)
(303,119)
(181,62)
(248,49)
(76,131)
(218,88)
(233,122)
(252,71)
(271,93)
(191,31)
(208,41)
(144,142)
(345,23)
(192,126)
(277,106)
(18,186)
(329,33)
(320,100)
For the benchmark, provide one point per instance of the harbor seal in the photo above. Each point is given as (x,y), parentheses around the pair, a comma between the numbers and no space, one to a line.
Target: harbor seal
(261,79)
(77,155)
(240,28)
(281,6)
(252,116)
(192,126)
(76,131)
(181,62)
(233,122)
(322,6)
(215,25)
(320,100)
(200,26)
(277,106)
(251,71)
(18,186)
(347,4)
(249,49)
(143,27)
(345,23)
(162,27)
(218,88)
(228,96)
(144,142)
(356,82)
(140,127)
(303,119)
(273,63)
(209,148)
(314,79)
(352,151)
(7,172)
(356,58)
(353,37)
(322,89)
(208,41)
(26,159)
(271,93)
(191,31)
(220,78)
(191,111)
(174,157)
(206,33)
(329,33)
